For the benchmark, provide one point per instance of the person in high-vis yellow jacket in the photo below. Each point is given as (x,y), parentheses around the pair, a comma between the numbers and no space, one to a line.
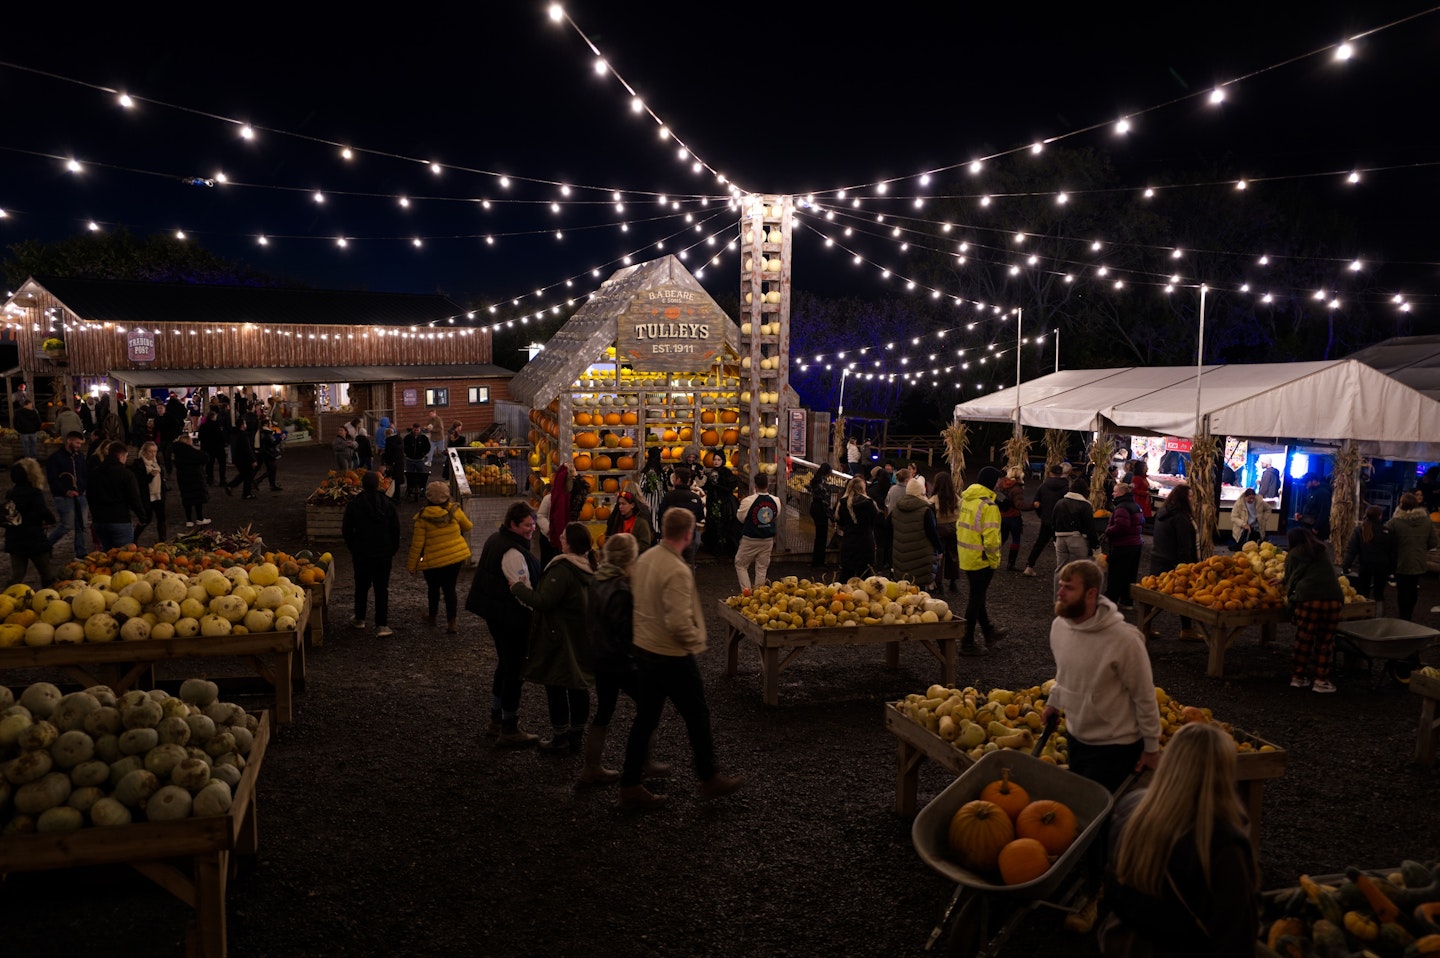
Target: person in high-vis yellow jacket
(977,534)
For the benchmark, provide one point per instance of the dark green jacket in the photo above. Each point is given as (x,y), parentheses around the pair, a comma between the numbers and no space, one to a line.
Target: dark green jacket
(1414,538)
(916,540)
(559,650)
(1311,580)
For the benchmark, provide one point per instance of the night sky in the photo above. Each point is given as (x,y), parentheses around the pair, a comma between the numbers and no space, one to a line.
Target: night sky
(778,97)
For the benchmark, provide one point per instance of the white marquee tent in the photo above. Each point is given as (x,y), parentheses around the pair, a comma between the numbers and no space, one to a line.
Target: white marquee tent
(1326,402)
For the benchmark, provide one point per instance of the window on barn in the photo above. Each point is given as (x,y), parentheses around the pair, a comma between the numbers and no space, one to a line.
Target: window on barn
(437,397)
(479,395)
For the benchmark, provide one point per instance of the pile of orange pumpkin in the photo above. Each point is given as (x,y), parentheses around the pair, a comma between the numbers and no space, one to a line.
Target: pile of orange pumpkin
(302,567)
(1005,831)
(1221,582)
(338,488)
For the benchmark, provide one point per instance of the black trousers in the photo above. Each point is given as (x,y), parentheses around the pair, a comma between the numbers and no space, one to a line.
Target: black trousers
(1047,536)
(975,611)
(511,651)
(1124,568)
(374,574)
(676,678)
(442,581)
(567,707)
(1106,764)
(608,686)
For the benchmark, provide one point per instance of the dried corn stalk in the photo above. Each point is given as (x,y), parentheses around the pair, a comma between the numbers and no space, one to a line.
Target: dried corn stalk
(1054,448)
(1102,451)
(837,443)
(956,438)
(1017,452)
(1343,508)
(1203,453)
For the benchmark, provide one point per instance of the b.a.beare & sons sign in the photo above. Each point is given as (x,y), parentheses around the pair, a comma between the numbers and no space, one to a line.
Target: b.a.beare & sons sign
(670,329)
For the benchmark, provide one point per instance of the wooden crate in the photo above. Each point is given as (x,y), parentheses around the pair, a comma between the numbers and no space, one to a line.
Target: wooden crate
(151,847)
(11,450)
(1219,627)
(916,743)
(322,523)
(1428,734)
(939,638)
(121,665)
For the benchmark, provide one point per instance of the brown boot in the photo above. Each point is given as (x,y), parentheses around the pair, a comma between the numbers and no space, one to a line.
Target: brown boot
(595,772)
(453,627)
(718,785)
(639,797)
(653,768)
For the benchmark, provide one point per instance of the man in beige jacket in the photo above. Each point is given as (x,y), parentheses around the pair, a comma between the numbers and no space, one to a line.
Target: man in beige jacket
(669,631)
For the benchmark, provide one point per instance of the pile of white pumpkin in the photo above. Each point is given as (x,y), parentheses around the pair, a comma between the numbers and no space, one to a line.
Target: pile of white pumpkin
(157,605)
(92,758)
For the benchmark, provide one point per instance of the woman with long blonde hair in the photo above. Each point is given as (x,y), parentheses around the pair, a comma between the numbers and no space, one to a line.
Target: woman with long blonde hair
(1184,876)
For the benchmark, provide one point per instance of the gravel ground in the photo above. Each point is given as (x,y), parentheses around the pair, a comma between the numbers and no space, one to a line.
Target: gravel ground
(386,827)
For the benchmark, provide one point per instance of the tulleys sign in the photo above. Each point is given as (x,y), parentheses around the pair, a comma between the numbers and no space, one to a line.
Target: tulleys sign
(670,329)
(140,346)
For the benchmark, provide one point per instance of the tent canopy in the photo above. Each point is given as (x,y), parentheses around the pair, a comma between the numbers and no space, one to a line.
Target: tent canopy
(1328,401)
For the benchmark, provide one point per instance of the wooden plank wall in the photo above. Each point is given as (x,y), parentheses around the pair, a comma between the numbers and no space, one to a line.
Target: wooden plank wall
(95,348)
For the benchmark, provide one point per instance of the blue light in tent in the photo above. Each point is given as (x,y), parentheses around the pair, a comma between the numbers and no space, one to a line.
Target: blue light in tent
(1299,465)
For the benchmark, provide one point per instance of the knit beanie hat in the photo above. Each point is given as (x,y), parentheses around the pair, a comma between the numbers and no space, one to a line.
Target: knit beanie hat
(437,493)
(915,487)
(989,477)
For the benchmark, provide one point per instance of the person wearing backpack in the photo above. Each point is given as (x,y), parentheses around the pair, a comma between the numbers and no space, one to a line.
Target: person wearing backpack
(759,515)
(1010,497)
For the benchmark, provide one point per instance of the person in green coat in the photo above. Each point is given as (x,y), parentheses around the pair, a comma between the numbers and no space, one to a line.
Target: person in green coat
(559,653)
(1414,538)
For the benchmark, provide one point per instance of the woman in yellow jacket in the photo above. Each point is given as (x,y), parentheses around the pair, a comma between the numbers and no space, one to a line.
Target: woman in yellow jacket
(438,548)
(977,536)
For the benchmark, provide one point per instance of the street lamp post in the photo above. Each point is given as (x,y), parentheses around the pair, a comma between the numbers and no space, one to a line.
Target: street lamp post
(844,372)
(1199,358)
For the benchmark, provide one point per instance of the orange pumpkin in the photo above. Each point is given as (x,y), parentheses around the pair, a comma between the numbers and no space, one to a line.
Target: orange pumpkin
(730,437)
(629,418)
(665,453)
(625,463)
(587,440)
(612,419)
(709,438)
(1008,795)
(707,417)
(1023,860)
(582,419)
(602,512)
(602,463)
(686,434)
(729,415)
(582,461)
(1050,823)
(587,511)
(626,442)
(610,485)
(669,435)
(978,831)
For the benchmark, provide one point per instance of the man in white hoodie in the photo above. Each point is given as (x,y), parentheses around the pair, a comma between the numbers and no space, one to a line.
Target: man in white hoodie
(1103,682)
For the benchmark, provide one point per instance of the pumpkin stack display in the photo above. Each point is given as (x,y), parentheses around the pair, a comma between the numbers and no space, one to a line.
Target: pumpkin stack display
(94,758)
(1388,914)
(1005,832)
(795,603)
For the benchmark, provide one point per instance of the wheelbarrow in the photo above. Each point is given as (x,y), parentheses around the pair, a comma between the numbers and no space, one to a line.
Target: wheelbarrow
(1396,643)
(984,914)
(417,476)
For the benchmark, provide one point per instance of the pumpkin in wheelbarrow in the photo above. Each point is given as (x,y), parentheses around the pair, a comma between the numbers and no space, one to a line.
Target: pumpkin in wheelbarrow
(978,831)
(1023,860)
(1049,822)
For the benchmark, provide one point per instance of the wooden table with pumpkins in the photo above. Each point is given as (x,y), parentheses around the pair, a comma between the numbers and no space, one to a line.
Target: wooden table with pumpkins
(1256,761)
(939,638)
(156,850)
(125,665)
(1220,627)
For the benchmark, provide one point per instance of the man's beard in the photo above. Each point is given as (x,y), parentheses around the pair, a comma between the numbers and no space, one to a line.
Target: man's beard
(1072,611)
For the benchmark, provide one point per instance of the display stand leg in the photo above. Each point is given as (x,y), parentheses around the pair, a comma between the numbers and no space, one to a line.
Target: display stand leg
(210,878)
(1217,640)
(732,650)
(907,779)
(770,674)
(284,689)
(1143,616)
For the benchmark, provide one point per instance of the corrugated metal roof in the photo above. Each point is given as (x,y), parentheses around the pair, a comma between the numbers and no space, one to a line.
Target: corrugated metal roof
(140,303)
(151,378)
(1412,360)
(585,336)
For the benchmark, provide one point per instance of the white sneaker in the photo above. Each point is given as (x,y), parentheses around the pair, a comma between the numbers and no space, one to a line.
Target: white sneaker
(383,631)
(1323,685)
(1300,682)
(189,525)
(1029,571)
(357,624)
(204,522)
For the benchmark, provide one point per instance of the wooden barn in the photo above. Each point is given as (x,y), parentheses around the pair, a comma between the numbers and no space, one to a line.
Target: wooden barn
(327,356)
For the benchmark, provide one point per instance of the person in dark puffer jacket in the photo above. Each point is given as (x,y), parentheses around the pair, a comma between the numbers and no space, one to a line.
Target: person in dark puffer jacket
(1123,534)
(27,543)
(371,529)
(915,545)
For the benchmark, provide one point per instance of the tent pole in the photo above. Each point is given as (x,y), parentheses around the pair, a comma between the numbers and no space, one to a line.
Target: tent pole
(1019,323)
(1199,358)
